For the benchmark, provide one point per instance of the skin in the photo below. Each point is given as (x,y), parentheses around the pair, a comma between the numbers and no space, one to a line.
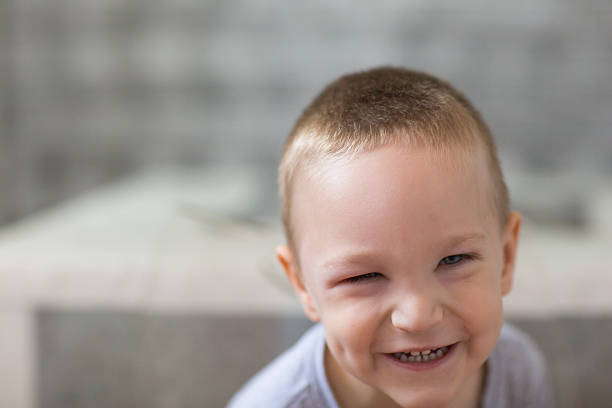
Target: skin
(433,264)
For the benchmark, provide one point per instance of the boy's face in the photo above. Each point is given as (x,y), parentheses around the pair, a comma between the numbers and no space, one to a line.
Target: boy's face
(401,251)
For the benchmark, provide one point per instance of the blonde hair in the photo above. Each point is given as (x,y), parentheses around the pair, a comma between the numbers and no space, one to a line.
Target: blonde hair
(366,110)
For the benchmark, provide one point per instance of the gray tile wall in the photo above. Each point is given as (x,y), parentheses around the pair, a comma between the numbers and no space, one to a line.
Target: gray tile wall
(92,90)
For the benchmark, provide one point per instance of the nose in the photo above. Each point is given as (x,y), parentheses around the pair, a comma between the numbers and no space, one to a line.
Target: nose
(417,312)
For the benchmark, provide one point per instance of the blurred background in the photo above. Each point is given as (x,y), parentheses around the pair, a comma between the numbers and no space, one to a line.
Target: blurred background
(138,150)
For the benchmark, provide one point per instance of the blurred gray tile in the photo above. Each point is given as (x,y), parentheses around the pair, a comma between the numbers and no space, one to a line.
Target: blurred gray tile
(579,353)
(121,359)
(212,80)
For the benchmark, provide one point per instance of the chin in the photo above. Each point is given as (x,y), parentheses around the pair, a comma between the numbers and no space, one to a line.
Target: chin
(429,400)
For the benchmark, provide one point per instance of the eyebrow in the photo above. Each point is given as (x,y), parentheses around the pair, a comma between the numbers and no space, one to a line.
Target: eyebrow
(353,258)
(367,256)
(458,239)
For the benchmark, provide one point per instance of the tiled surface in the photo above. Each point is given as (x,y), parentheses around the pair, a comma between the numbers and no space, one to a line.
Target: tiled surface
(579,352)
(102,358)
(90,91)
(120,359)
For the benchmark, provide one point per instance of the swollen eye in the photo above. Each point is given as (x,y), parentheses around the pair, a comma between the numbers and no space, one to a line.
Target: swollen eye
(452,259)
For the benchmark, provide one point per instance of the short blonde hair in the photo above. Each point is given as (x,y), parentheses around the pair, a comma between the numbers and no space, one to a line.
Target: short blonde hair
(366,110)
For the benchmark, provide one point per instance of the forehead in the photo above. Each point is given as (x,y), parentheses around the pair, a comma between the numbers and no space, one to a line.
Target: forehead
(390,197)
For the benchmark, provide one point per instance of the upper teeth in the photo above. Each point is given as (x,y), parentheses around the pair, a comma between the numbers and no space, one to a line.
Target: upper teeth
(424,355)
(416,353)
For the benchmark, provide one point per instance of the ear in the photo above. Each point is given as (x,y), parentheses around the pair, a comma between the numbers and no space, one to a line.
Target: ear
(289,264)
(510,244)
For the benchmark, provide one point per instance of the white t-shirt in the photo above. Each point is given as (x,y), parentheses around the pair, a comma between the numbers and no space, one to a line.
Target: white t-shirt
(516,376)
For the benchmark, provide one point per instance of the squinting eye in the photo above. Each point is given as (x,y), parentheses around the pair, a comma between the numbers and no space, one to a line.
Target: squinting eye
(365,276)
(452,259)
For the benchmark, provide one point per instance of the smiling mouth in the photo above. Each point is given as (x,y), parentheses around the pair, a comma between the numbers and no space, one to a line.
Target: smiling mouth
(422,356)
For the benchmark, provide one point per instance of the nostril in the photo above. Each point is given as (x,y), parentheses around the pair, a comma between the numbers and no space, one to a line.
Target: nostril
(417,316)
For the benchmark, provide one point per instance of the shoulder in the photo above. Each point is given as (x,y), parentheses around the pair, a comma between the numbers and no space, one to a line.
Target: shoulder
(288,381)
(518,372)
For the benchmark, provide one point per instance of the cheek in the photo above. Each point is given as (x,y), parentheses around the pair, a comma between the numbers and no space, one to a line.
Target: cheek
(488,318)
(350,331)
(351,324)
(483,319)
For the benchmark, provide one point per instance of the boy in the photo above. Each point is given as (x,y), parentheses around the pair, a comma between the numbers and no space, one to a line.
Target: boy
(401,244)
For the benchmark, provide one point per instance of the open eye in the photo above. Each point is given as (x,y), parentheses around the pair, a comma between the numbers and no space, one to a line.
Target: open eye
(364,277)
(453,259)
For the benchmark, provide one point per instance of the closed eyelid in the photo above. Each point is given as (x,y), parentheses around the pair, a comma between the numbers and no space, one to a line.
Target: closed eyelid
(364,277)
